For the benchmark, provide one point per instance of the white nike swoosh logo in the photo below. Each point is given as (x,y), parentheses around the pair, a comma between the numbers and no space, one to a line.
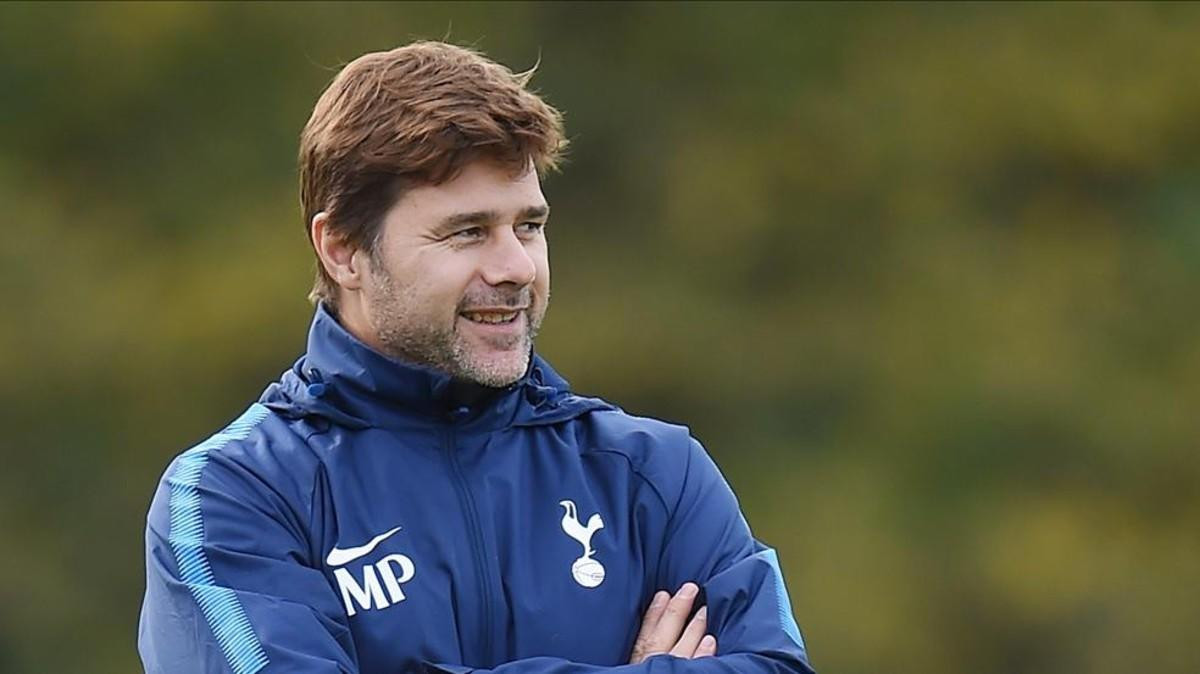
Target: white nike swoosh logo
(338,556)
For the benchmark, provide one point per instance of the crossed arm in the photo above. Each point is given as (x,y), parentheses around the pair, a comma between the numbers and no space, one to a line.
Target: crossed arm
(287,618)
(707,544)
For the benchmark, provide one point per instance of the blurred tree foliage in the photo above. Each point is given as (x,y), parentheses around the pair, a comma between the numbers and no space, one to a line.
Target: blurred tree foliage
(922,277)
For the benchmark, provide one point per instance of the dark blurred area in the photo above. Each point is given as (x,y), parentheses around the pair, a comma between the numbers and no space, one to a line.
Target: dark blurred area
(922,277)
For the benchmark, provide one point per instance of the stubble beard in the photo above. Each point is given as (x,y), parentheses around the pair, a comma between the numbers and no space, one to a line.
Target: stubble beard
(405,336)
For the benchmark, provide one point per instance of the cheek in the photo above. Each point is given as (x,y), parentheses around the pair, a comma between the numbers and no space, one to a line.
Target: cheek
(541,279)
(442,279)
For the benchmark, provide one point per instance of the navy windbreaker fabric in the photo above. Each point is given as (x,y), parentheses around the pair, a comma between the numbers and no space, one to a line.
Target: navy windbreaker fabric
(366,515)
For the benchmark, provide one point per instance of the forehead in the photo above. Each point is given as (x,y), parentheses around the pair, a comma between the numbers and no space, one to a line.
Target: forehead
(480,186)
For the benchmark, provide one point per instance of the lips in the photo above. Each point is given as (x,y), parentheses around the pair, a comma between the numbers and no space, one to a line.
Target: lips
(491,317)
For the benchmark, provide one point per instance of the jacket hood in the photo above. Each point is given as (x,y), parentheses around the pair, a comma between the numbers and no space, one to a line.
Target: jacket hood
(343,381)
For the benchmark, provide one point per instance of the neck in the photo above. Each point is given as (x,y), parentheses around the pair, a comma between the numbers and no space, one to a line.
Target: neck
(350,314)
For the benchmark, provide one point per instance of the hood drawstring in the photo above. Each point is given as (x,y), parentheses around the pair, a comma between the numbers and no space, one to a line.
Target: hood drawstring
(316,386)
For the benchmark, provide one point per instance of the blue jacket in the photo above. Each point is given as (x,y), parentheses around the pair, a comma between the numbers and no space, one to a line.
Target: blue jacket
(369,516)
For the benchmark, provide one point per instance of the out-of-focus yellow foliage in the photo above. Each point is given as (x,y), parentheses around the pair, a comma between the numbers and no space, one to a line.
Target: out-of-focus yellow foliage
(922,277)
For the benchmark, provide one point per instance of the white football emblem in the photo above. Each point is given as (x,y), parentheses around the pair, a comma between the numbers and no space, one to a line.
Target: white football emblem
(587,571)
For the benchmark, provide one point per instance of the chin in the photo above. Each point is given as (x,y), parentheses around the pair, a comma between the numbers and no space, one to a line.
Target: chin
(496,372)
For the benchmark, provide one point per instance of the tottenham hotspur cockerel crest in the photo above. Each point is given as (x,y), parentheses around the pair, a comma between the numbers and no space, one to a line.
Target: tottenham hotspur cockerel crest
(587,571)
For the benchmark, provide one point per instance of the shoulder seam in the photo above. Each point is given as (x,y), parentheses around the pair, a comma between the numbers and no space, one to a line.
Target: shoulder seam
(634,469)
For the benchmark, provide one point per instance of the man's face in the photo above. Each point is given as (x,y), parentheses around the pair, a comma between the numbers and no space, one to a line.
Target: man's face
(460,278)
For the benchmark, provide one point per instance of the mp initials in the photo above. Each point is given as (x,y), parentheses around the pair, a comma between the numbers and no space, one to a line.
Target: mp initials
(390,573)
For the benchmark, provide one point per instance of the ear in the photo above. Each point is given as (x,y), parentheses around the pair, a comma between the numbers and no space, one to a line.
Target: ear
(339,257)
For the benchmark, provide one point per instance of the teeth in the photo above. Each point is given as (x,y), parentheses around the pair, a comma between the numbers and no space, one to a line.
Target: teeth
(492,318)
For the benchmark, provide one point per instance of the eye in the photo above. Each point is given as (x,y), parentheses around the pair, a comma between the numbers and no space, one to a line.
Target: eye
(468,234)
(530,228)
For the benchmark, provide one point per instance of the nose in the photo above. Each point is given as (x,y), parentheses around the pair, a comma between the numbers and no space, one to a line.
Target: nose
(508,261)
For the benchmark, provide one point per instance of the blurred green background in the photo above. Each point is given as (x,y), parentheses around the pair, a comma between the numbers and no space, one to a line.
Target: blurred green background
(922,277)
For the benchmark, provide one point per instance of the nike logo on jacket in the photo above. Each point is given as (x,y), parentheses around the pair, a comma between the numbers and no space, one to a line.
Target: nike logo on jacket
(340,556)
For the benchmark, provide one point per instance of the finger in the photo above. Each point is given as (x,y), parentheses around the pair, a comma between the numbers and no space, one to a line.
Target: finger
(644,641)
(707,647)
(686,647)
(653,613)
(670,625)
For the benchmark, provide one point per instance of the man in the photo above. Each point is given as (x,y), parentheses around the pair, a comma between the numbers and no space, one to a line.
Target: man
(421,492)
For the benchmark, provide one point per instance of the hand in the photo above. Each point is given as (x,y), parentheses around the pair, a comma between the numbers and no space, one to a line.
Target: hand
(663,628)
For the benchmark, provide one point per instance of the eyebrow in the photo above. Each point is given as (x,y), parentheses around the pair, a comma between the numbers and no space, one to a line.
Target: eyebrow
(487,218)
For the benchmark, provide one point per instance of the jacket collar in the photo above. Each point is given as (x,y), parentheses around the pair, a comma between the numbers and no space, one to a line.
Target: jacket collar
(348,382)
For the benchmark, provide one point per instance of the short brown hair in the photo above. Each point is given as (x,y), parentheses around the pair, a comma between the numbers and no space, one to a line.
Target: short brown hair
(415,115)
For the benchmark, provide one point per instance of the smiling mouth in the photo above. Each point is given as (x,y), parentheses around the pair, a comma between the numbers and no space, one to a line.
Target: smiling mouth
(491,317)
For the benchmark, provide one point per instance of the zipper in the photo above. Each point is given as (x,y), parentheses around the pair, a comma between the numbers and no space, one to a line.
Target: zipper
(471,515)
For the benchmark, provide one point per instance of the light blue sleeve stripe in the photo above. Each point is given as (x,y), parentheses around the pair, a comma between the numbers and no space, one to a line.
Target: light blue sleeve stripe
(220,606)
(786,619)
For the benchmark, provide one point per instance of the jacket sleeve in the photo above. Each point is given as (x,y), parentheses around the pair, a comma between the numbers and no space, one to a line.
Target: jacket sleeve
(228,588)
(709,542)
